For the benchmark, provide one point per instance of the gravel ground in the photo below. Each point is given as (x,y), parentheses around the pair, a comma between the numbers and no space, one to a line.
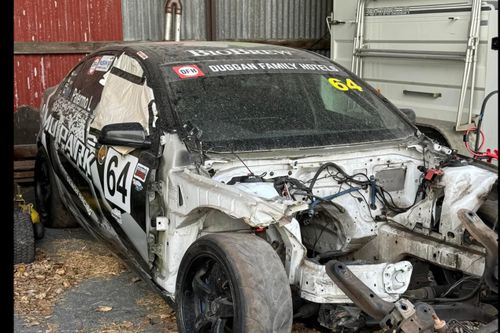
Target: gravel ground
(77,285)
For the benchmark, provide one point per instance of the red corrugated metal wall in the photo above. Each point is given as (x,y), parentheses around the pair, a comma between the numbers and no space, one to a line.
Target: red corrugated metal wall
(57,21)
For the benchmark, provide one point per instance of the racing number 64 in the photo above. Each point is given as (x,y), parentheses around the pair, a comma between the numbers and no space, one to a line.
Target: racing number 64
(118,173)
(339,85)
(113,184)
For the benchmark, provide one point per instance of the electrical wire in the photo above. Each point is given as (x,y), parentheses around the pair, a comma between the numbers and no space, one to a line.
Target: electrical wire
(481,114)
(458,283)
(322,229)
(459,299)
(475,152)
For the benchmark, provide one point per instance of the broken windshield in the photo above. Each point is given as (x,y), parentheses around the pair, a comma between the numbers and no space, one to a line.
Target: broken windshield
(262,106)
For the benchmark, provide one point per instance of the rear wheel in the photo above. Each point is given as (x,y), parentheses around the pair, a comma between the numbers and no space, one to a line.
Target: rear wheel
(52,212)
(24,239)
(232,283)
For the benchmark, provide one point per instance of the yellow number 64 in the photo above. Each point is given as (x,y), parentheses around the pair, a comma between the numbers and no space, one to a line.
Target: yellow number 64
(349,84)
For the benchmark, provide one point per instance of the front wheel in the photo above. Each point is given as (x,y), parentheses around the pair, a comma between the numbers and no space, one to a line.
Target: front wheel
(232,283)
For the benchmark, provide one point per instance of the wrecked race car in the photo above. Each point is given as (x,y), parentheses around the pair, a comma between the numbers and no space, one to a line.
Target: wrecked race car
(253,184)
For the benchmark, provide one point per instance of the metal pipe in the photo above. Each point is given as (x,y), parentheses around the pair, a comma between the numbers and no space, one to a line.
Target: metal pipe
(361,39)
(357,291)
(409,56)
(462,54)
(488,238)
(177,27)
(475,16)
(168,26)
(173,7)
(474,59)
(355,45)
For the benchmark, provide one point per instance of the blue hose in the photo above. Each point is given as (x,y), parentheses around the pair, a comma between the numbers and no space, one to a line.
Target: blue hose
(316,202)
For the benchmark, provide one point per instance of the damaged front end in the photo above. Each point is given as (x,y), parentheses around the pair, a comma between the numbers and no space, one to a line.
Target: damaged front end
(366,239)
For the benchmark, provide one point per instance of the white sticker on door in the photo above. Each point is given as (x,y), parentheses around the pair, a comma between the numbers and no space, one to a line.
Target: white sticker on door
(118,173)
(104,64)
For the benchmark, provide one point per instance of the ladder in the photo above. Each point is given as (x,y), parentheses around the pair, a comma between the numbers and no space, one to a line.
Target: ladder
(361,50)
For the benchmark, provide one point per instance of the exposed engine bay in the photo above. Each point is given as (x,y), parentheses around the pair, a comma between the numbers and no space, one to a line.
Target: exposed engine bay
(367,237)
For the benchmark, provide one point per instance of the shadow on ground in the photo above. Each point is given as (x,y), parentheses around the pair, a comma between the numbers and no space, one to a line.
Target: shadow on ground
(77,285)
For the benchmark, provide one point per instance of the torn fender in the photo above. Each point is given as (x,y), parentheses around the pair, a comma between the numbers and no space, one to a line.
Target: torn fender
(201,192)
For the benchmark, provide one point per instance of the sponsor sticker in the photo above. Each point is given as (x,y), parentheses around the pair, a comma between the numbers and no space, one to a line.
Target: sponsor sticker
(137,185)
(141,172)
(101,154)
(207,52)
(187,71)
(104,63)
(142,55)
(94,65)
(117,215)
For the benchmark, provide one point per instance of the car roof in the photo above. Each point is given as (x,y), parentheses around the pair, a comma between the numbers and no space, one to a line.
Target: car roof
(185,51)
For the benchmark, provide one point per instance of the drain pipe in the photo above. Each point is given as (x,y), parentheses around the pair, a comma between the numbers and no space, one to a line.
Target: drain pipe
(173,7)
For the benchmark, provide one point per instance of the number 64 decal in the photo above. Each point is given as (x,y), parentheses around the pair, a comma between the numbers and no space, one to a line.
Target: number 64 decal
(339,85)
(118,173)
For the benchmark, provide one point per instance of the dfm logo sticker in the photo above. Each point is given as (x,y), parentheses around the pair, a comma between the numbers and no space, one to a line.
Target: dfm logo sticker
(188,71)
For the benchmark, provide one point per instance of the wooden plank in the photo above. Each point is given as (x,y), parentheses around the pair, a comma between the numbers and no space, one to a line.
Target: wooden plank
(24,174)
(59,47)
(24,152)
(24,165)
(25,180)
(87,47)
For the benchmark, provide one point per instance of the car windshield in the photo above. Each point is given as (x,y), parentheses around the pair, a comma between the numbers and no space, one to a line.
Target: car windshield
(248,110)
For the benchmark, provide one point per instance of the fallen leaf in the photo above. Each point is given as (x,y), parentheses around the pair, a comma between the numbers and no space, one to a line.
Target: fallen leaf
(127,324)
(60,271)
(104,308)
(41,296)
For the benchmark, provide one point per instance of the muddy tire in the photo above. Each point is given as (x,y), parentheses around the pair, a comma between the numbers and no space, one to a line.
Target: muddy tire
(24,239)
(232,283)
(52,212)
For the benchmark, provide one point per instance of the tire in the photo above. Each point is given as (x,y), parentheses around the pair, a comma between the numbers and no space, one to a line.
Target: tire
(241,279)
(48,202)
(24,239)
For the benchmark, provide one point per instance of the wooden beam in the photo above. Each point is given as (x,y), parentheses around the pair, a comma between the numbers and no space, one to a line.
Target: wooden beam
(59,47)
(24,174)
(24,165)
(88,47)
(24,152)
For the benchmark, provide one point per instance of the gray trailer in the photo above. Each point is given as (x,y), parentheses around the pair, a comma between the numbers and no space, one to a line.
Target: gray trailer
(426,55)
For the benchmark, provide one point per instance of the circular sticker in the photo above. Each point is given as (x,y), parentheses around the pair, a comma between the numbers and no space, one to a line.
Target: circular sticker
(101,154)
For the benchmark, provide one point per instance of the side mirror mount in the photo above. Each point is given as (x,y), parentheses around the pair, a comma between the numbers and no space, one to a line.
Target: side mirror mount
(410,114)
(124,134)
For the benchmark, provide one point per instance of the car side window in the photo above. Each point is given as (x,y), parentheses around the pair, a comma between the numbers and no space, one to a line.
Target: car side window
(125,98)
(80,93)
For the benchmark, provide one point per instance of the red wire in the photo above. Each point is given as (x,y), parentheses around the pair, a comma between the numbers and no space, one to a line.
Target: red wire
(467,146)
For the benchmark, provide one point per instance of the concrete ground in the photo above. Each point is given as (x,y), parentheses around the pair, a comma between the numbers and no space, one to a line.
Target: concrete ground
(77,285)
